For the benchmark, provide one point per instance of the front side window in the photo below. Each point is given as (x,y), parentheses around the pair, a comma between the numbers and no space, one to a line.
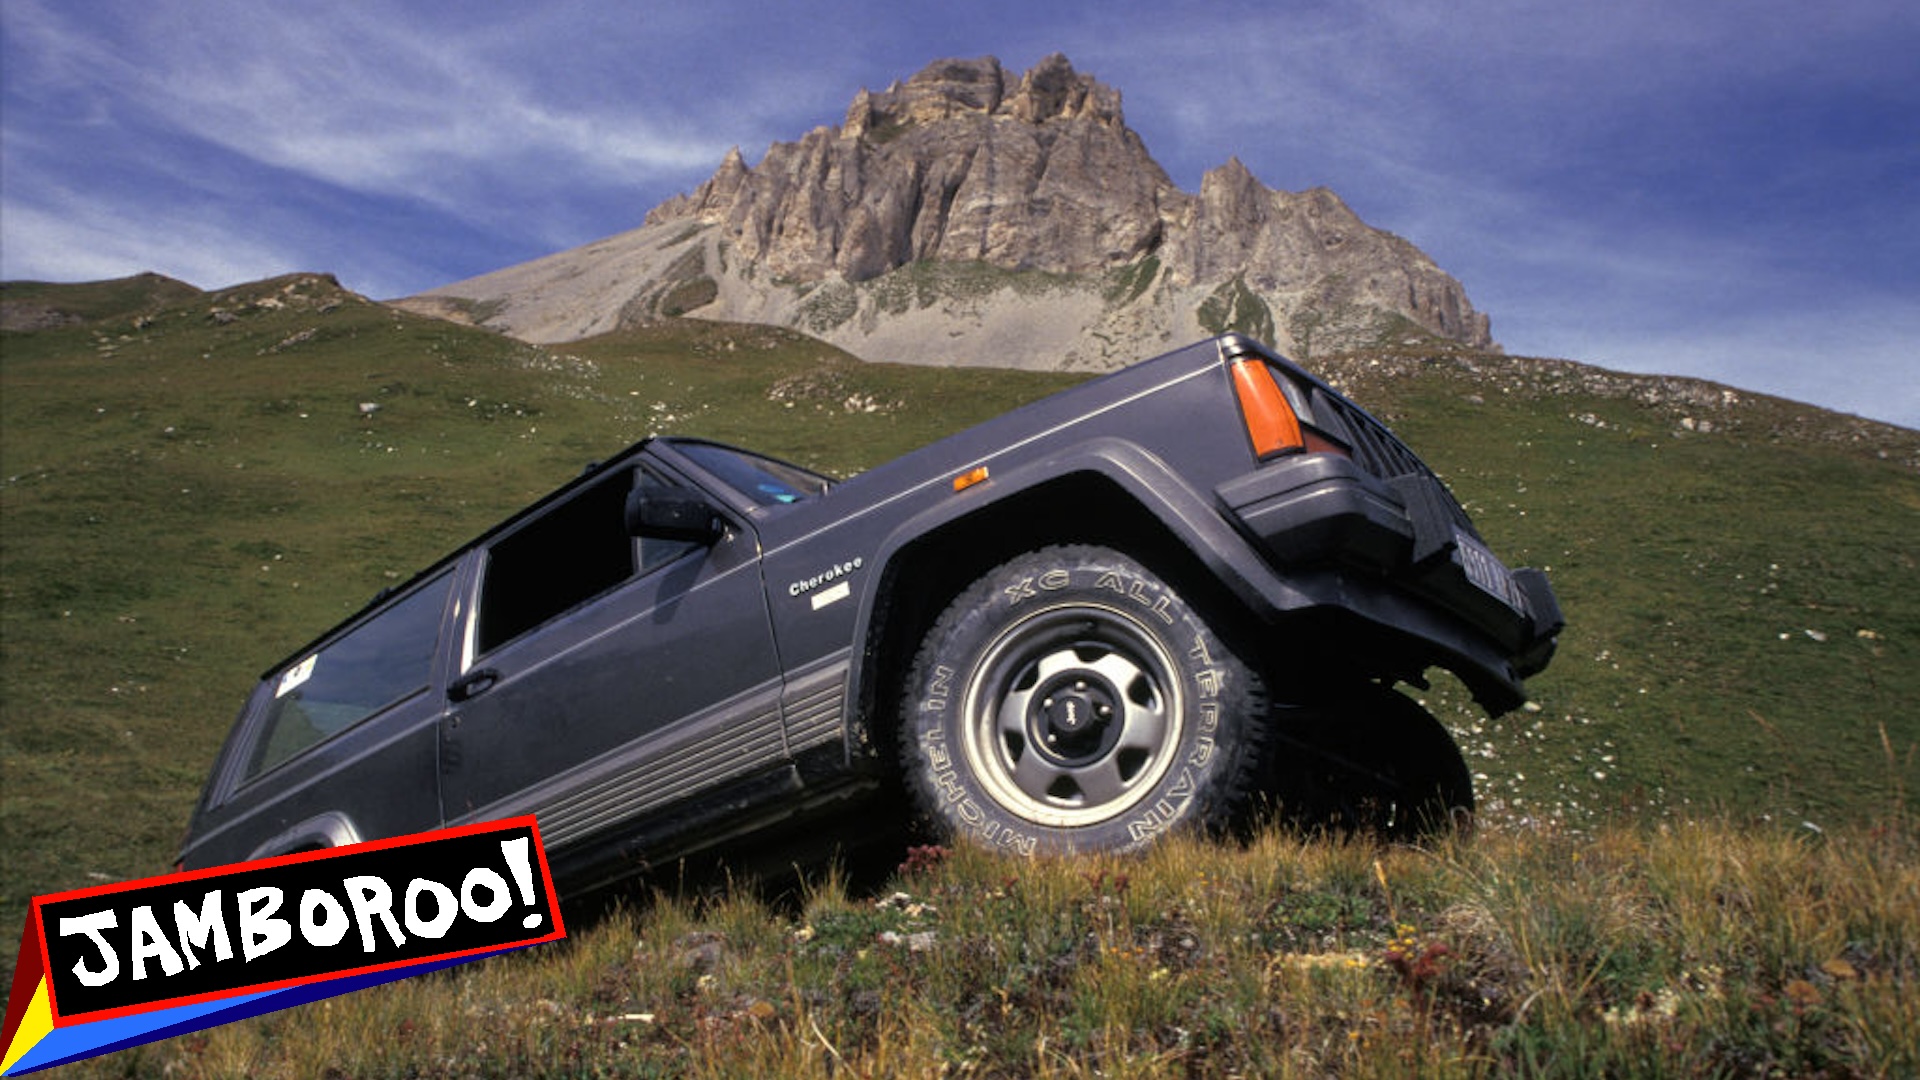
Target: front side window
(566,557)
(561,559)
(381,661)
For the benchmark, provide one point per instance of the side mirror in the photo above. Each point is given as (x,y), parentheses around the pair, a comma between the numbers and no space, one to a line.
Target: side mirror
(672,513)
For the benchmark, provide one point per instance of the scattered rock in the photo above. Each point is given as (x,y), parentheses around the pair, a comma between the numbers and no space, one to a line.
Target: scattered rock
(700,952)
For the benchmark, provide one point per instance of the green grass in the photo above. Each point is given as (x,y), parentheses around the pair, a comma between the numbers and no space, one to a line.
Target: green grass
(793,396)
(1125,284)
(1234,306)
(927,282)
(1744,624)
(184,503)
(124,299)
(191,486)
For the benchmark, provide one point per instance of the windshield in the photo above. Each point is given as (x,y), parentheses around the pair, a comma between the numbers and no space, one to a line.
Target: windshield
(766,481)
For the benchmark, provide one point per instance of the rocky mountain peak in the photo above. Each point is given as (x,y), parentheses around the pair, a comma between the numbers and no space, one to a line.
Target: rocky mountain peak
(1053,89)
(963,161)
(1018,201)
(947,89)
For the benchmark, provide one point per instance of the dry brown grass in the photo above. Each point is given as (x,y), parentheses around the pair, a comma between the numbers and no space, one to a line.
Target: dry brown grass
(1691,950)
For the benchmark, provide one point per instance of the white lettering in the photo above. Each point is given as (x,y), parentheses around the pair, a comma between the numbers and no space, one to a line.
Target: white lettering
(948,783)
(446,909)
(323,933)
(150,943)
(495,885)
(370,897)
(1202,753)
(938,690)
(832,573)
(1162,609)
(209,927)
(91,925)
(260,933)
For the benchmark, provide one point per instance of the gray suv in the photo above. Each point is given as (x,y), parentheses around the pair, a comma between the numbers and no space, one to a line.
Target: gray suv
(1158,600)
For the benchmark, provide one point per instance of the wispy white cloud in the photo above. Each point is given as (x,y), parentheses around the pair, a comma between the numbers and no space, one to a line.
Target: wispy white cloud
(1513,84)
(351,96)
(1711,187)
(73,242)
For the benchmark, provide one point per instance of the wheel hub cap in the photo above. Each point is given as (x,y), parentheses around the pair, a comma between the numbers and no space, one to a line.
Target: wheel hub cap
(1073,718)
(1073,714)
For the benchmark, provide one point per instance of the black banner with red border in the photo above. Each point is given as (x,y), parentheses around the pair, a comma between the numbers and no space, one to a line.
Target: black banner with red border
(115,952)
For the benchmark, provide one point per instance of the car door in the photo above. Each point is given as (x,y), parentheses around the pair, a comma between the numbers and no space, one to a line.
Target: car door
(338,744)
(604,675)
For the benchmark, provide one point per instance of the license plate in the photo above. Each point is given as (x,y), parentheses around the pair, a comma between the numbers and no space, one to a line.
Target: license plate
(1485,570)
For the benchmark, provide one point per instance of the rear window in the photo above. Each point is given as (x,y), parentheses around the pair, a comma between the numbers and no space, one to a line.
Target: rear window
(381,661)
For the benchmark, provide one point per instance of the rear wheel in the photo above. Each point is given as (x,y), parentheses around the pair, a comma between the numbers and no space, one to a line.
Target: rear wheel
(1071,700)
(1373,761)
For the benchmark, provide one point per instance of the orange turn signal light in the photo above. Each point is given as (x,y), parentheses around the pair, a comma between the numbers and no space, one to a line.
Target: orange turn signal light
(969,478)
(1271,422)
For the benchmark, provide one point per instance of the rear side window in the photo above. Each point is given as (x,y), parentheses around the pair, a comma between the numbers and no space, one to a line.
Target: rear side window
(378,663)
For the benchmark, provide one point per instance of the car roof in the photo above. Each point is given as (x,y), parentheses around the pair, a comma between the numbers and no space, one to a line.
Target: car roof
(588,475)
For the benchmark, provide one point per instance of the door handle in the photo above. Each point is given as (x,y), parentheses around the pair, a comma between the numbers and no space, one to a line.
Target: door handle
(473,684)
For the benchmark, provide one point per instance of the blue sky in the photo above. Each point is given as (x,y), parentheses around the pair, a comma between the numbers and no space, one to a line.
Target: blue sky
(1722,189)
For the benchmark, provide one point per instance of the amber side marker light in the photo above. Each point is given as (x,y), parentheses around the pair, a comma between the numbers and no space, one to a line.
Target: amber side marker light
(1271,422)
(969,478)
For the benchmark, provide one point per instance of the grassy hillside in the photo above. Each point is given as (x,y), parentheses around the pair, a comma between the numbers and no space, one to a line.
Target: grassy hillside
(1697,951)
(193,484)
(1739,575)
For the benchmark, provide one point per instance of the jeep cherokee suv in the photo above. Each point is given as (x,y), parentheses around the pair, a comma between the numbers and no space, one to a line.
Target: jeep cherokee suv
(1153,601)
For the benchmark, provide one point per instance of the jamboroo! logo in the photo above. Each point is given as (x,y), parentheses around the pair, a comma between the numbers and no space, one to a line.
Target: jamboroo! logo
(105,968)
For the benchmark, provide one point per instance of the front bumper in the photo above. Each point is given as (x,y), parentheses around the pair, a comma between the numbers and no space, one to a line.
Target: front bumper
(1407,556)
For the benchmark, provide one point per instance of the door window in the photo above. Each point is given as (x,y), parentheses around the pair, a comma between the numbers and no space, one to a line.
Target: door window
(572,553)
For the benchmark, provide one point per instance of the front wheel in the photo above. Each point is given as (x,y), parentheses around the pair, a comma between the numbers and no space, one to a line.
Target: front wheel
(1071,700)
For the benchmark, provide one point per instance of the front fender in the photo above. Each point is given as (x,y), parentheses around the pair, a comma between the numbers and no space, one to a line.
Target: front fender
(1192,517)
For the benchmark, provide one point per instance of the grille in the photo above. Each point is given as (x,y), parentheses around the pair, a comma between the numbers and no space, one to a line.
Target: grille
(1378,451)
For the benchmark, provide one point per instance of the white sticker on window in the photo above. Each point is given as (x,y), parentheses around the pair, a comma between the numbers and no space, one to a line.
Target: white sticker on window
(295,675)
